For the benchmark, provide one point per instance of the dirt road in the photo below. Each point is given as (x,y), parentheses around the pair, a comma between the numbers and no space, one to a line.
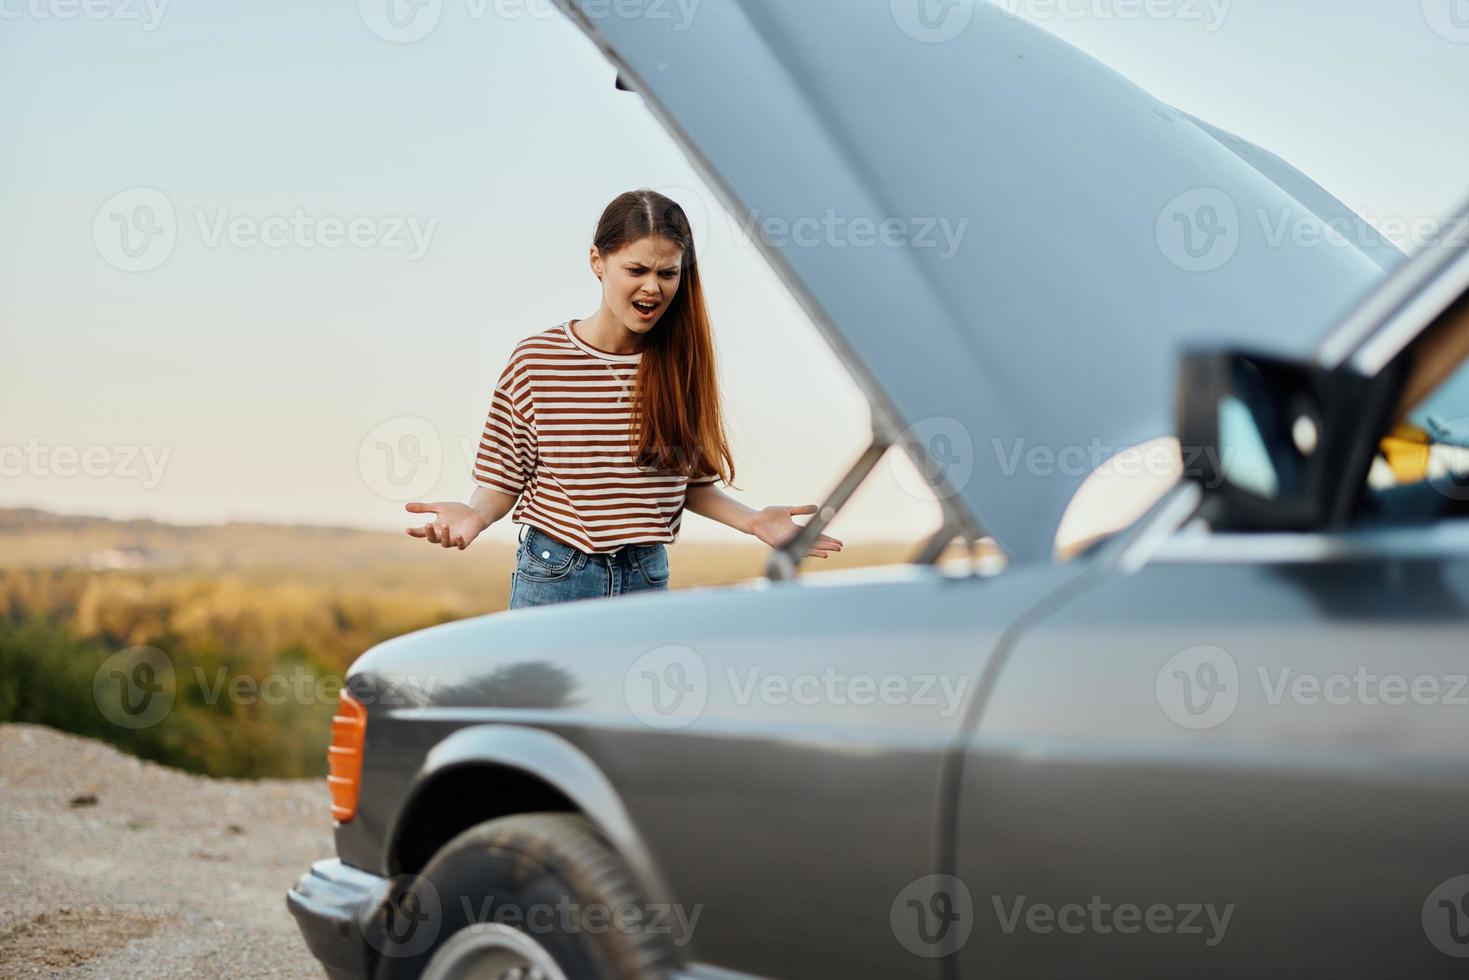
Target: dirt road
(114,867)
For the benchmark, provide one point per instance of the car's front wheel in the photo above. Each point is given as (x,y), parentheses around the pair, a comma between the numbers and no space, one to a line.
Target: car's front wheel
(537,896)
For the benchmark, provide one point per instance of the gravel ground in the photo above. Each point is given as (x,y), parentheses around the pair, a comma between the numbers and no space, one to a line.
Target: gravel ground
(115,867)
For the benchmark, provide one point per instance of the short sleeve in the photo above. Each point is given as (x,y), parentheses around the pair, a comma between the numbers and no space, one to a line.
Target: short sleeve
(507,447)
(704,481)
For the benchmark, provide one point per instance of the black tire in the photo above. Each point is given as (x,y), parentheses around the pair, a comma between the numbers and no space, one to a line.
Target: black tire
(538,873)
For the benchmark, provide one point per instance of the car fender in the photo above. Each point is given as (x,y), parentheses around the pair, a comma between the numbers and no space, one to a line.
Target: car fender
(558,763)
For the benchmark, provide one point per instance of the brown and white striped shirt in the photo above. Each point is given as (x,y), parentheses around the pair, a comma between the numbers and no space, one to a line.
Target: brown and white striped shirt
(557,435)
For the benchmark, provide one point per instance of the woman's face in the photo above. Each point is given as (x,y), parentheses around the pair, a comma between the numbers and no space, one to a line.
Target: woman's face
(640,280)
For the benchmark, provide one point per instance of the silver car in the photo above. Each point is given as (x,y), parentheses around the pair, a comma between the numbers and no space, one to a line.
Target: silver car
(1220,731)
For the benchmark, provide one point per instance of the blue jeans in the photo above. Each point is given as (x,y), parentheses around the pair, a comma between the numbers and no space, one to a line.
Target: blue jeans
(547,571)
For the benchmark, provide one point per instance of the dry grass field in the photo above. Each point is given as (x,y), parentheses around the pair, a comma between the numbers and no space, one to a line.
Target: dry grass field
(254,602)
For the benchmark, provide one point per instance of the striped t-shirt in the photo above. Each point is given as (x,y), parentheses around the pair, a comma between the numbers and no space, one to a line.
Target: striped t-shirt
(557,435)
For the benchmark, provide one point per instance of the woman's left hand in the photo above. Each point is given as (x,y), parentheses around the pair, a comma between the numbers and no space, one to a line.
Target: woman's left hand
(774,526)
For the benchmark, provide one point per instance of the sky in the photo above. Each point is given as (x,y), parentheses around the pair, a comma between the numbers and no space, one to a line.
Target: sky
(363,229)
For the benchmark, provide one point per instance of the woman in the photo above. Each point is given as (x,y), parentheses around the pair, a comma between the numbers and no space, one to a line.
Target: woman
(602,431)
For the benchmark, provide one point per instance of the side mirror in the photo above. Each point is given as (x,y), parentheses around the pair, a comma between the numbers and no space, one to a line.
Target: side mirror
(1277,444)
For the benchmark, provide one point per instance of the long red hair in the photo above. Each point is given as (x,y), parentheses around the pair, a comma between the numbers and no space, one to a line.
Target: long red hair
(677,395)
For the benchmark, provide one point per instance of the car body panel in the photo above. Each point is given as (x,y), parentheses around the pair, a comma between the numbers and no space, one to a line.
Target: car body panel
(1053,322)
(1315,796)
(854,778)
(536,752)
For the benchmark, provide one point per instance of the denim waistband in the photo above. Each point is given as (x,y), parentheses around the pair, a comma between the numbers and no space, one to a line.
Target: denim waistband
(623,549)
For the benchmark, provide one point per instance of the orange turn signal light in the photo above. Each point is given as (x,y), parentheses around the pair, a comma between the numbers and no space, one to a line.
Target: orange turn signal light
(344,756)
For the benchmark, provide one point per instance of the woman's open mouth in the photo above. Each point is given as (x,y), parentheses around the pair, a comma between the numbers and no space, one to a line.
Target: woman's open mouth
(645,311)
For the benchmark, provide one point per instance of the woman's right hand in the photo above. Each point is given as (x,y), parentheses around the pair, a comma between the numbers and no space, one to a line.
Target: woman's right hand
(456,525)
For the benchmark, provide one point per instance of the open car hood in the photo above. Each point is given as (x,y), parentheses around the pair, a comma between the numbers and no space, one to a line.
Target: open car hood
(1025,308)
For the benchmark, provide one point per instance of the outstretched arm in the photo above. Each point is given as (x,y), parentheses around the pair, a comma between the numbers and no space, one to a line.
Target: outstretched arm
(773,525)
(456,525)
